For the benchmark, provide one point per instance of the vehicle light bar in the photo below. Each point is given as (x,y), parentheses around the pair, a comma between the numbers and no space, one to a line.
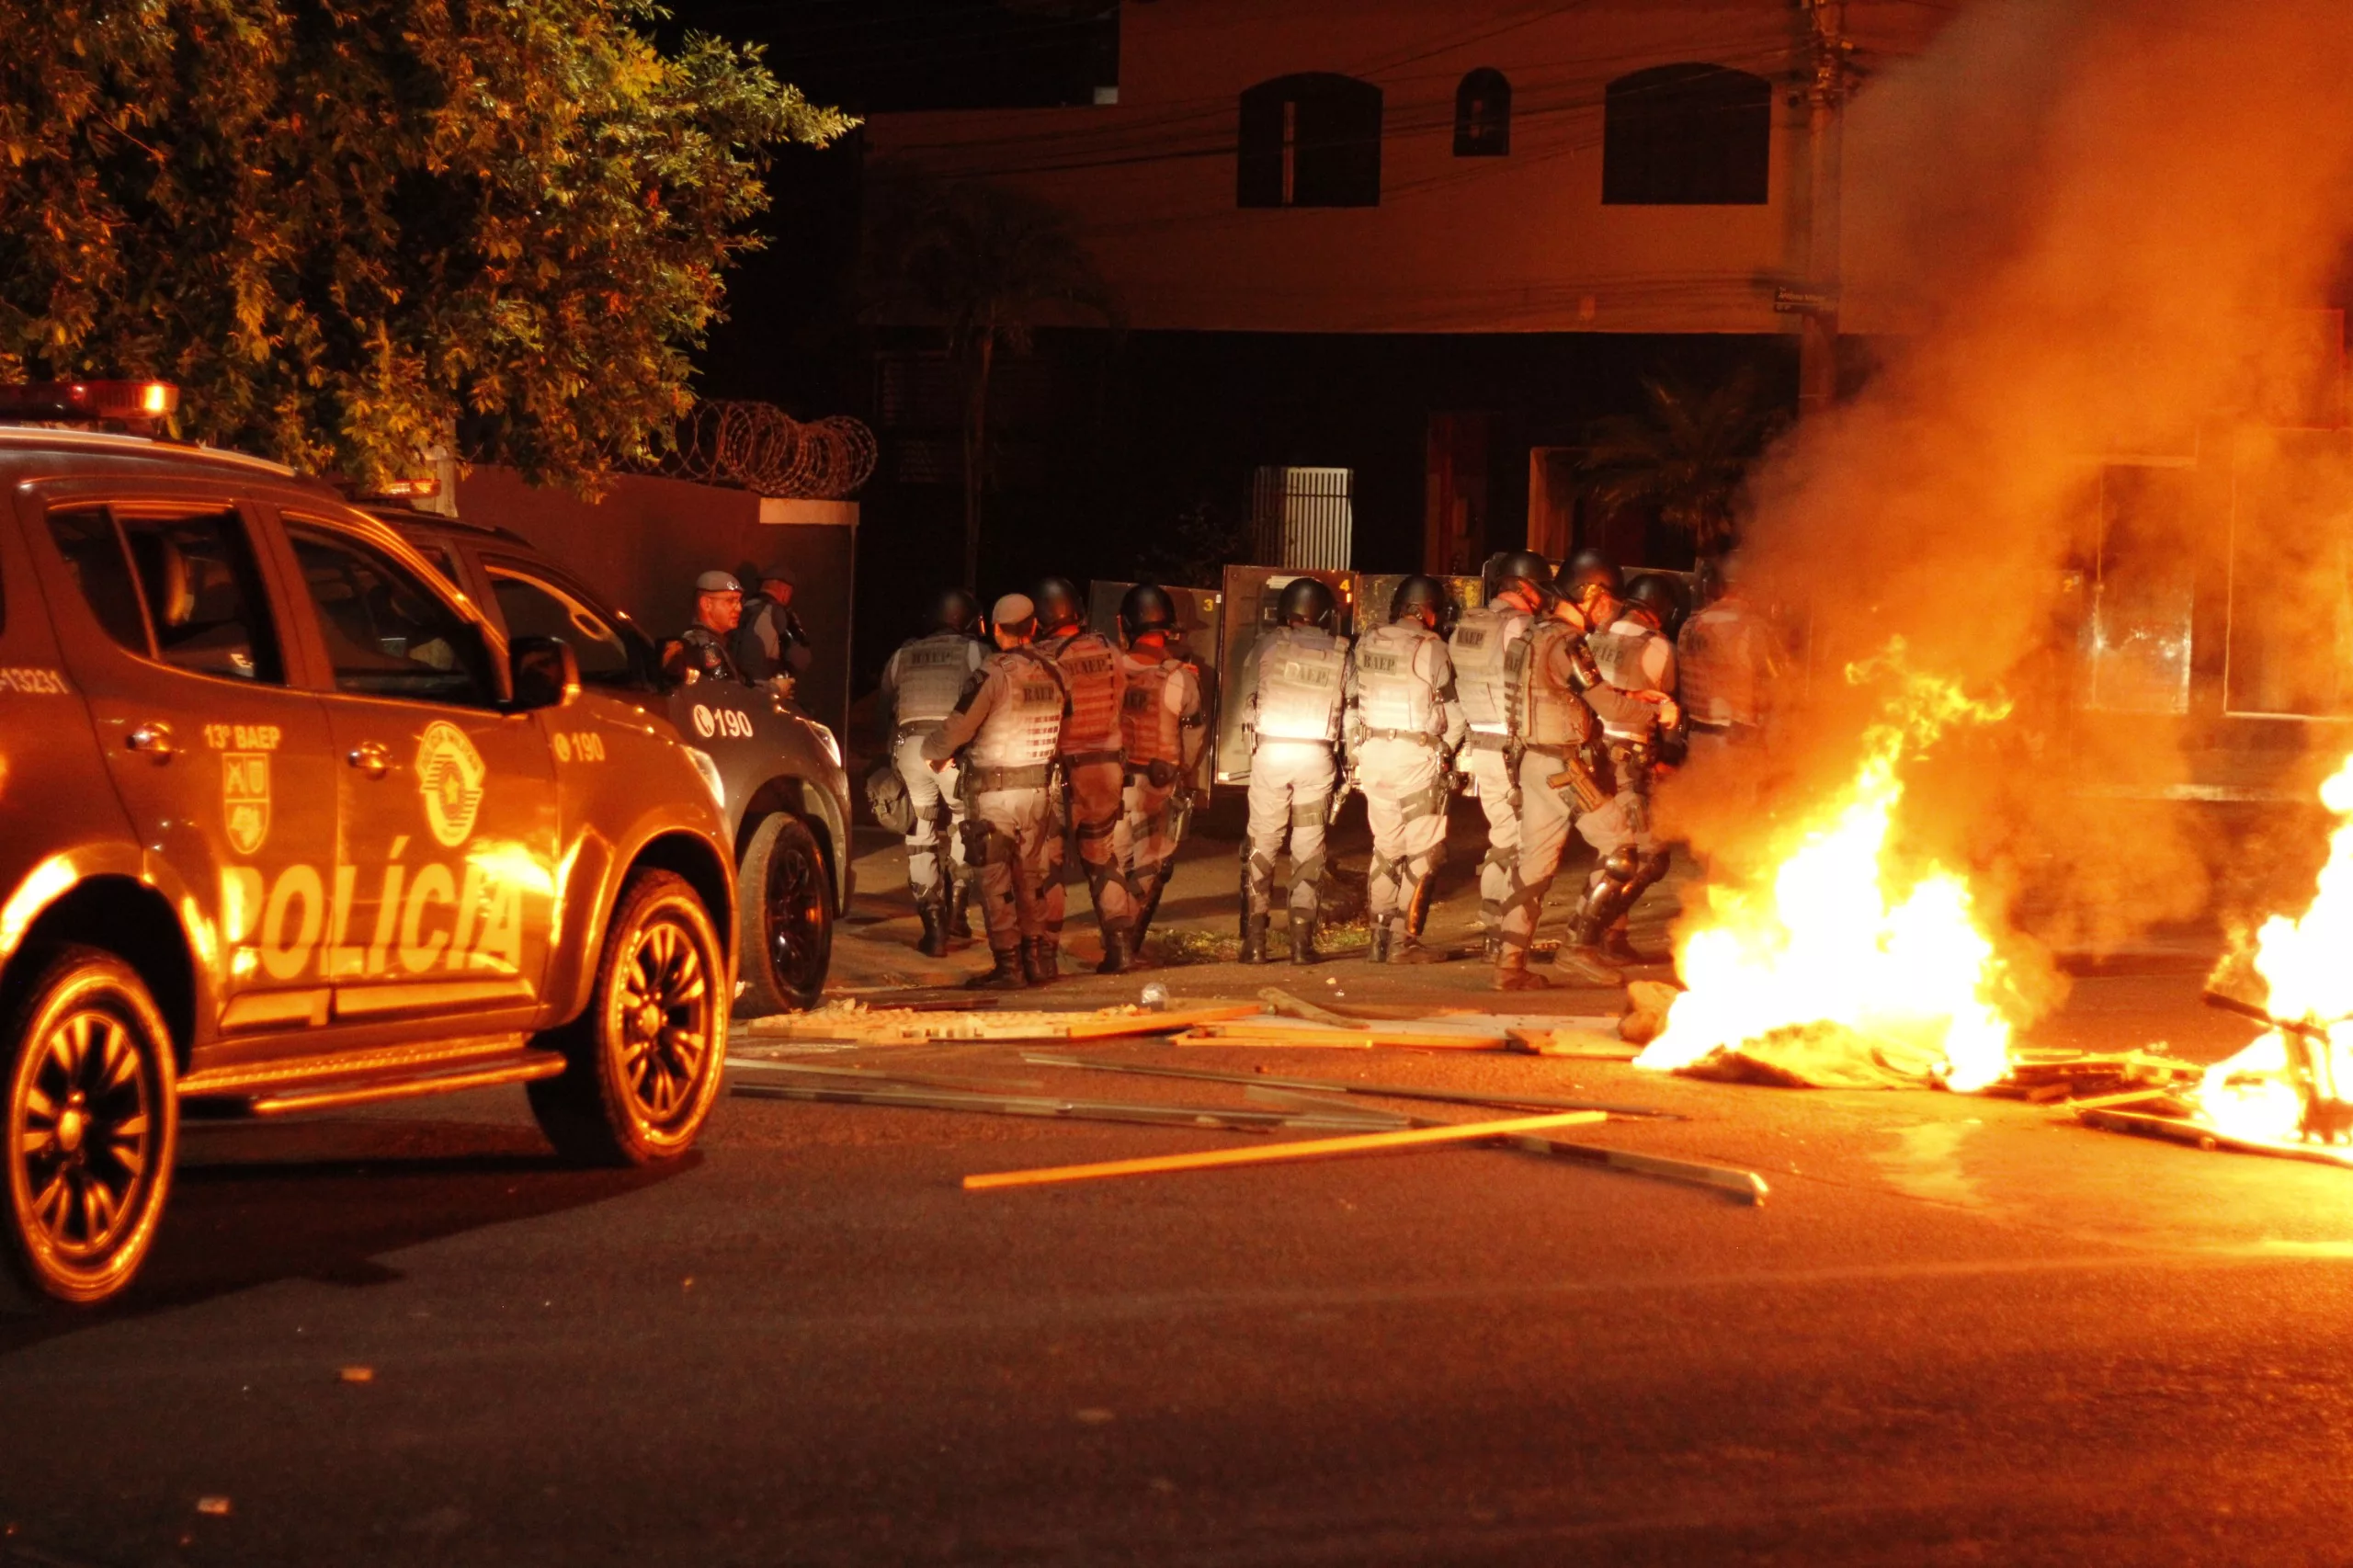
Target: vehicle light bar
(88,401)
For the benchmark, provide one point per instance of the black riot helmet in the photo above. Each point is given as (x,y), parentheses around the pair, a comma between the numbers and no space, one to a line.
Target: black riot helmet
(1147,608)
(1659,596)
(955,610)
(1058,605)
(1306,602)
(1420,592)
(1587,570)
(1514,567)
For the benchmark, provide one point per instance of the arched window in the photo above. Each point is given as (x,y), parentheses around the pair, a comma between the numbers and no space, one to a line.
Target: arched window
(1483,115)
(1686,135)
(1311,140)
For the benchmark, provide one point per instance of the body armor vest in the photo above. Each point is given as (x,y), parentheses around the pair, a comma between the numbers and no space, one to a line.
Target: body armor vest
(931,672)
(1552,714)
(1148,730)
(1026,726)
(1481,642)
(1391,694)
(1303,675)
(1620,656)
(1090,663)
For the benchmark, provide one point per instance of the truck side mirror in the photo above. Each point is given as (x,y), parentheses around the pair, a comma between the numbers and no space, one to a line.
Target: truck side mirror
(545,671)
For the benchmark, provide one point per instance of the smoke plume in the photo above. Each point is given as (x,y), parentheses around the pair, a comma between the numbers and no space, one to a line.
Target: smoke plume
(2104,228)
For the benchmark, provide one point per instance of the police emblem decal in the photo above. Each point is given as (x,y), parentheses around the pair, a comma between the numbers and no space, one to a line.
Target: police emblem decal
(449,774)
(245,798)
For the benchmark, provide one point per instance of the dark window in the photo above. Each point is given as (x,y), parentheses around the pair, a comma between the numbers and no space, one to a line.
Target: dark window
(1483,115)
(93,551)
(1312,140)
(174,585)
(1686,135)
(532,607)
(388,632)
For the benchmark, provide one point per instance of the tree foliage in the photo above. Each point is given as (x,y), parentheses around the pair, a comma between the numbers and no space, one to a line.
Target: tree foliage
(1685,456)
(986,266)
(355,230)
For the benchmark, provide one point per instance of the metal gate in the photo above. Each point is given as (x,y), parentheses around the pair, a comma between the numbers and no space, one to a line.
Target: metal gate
(1303,517)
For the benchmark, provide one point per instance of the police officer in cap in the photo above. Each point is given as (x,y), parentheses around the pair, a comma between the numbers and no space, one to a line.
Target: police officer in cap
(1481,645)
(1298,695)
(1404,728)
(1092,768)
(1163,722)
(771,642)
(703,652)
(921,686)
(1642,729)
(1008,725)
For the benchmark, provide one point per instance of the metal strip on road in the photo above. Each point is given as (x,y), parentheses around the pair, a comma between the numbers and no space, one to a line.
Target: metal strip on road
(1328,1085)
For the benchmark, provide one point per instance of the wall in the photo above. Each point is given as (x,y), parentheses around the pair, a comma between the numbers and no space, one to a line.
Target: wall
(1514,244)
(646,541)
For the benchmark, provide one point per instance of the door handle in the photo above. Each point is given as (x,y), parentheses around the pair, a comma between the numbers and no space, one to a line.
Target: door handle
(371,758)
(154,738)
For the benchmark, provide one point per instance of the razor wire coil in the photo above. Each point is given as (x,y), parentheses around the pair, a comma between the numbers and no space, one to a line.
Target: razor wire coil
(758,447)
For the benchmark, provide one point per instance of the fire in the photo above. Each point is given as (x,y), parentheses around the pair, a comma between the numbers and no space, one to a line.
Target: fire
(1839,945)
(2304,964)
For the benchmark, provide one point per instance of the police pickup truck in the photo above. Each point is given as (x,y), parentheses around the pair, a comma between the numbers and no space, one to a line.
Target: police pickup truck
(288,824)
(780,774)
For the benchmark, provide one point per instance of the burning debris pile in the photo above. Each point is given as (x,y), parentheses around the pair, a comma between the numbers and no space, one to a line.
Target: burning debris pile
(1849,962)
(2284,1092)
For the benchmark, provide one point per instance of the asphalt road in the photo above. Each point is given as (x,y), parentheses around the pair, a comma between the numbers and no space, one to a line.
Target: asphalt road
(1958,1331)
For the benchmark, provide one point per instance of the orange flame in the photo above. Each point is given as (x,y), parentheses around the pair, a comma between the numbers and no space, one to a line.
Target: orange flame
(1835,943)
(2305,963)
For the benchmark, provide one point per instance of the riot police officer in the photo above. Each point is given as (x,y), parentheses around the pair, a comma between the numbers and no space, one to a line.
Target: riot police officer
(1592,582)
(702,652)
(1481,646)
(1548,674)
(921,686)
(1292,716)
(1404,726)
(1163,724)
(1009,724)
(1092,766)
(1728,662)
(1641,728)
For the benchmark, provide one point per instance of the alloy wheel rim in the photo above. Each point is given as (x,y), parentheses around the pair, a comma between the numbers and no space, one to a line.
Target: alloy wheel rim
(794,917)
(82,1130)
(665,1007)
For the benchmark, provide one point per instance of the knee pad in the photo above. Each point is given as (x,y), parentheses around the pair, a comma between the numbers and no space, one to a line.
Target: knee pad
(1623,864)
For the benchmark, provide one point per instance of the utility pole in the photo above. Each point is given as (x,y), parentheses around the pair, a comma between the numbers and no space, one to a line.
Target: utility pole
(1828,86)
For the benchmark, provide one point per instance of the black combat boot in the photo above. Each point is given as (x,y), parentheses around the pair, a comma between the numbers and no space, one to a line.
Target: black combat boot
(959,895)
(1580,957)
(1041,957)
(1302,935)
(1405,950)
(1149,905)
(1253,938)
(1377,950)
(933,944)
(1119,952)
(1006,976)
(1512,973)
(1619,947)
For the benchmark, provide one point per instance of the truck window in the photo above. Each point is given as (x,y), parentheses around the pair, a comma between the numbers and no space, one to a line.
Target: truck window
(173,584)
(532,607)
(387,633)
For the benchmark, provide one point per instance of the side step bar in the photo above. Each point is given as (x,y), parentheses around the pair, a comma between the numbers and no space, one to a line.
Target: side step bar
(330,1083)
(330,1096)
